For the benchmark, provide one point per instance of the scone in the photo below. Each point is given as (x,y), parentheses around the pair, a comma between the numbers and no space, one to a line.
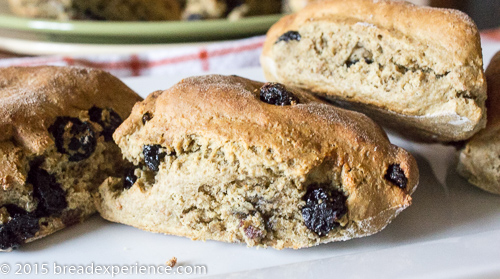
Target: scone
(479,160)
(56,146)
(417,70)
(131,10)
(230,159)
(232,9)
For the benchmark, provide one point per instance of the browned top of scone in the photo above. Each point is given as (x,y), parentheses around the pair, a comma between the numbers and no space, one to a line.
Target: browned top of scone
(32,97)
(493,81)
(229,109)
(450,30)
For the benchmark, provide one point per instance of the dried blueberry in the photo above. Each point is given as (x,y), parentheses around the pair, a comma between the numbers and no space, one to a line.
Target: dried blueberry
(73,137)
(396,176)
(289,36)
(276,94)
(324,207)
(24,226)
(146,117)
(8,239)
(21,226)
(129,178)
(107,118)
(153,156)
(51,197)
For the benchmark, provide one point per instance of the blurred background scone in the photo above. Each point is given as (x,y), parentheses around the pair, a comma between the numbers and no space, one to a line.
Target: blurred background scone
(143,10)
(120,10)
(479,160)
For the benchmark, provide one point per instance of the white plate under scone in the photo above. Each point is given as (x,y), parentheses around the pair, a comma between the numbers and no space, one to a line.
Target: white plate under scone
(452,230)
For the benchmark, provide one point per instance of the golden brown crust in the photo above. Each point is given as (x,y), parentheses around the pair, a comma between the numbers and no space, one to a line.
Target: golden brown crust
(479,160)
(31,99)
(424,70)
(304,138)
(445,28)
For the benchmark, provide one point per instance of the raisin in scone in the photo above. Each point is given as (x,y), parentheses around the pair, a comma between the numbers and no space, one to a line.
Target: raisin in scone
(230,159)
(479,160)
(131,10)
(56,146)
(417,70)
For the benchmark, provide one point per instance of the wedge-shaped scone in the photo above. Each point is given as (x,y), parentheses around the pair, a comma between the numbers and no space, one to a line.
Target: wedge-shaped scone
(235,160)
(479,160)
(417,70)
(56,146)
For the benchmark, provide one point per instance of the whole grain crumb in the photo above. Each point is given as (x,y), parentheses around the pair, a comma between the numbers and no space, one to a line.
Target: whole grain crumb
(172,262)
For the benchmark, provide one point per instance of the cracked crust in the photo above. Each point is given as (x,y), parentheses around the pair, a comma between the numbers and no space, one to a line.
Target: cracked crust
(419,67)
(32,98)
(479,160)
(236,168)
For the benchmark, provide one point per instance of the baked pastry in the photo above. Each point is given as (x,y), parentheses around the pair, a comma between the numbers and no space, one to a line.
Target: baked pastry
(56,146)
(479,160)
(230,159)
(232,9)
(131,10)
(417,70)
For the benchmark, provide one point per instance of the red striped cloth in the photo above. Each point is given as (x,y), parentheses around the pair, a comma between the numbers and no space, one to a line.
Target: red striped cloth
(188,59)
(491,35)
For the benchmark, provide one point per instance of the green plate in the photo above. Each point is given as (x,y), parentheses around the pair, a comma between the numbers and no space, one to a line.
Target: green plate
(139,32)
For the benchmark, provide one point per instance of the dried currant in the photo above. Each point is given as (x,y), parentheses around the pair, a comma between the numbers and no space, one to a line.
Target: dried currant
(21,226)
(276,94)
(107,118)
(324,208)
(146,117)
(289,36)
(73,137)
(396,176)
(153,156)
(51,196)
(129,178)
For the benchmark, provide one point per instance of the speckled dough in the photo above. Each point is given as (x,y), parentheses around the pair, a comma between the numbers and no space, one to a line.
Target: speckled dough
(479,160)
(417,70)
(236,169)
(140,10)
(40,182)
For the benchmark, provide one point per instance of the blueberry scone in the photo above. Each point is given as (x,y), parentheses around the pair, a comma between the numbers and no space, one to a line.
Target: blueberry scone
(230,159)
(479,160)
(417,70)
(131,10)
(56,146)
